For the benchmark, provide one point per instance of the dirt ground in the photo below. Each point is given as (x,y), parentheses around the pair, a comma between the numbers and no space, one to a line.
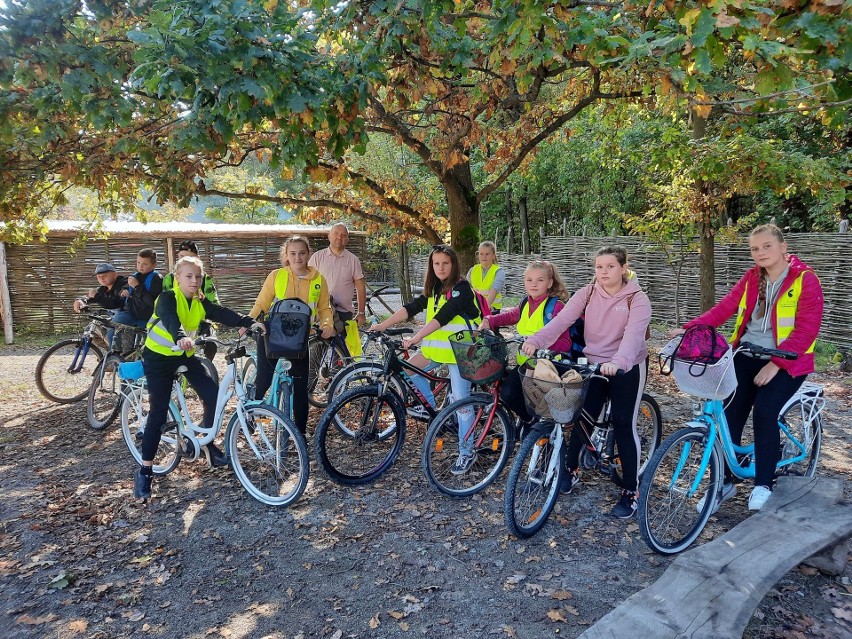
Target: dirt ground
(81,558)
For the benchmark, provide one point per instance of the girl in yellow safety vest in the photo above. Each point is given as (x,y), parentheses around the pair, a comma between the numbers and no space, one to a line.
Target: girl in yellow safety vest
(450,307)
(169,345)
(778,304)
(295,279)
(546,295)
(488,277)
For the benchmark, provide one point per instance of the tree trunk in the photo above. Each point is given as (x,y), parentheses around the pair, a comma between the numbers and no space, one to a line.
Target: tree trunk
(404,275)
(510,234)
(707,258)
(525,223)
(463,214)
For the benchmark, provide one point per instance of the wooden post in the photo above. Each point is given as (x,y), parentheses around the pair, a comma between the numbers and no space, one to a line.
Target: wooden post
(170,254)
(5,298)
(564,227)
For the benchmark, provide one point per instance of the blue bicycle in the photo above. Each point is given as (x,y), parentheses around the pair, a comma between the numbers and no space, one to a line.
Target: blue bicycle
(682,485)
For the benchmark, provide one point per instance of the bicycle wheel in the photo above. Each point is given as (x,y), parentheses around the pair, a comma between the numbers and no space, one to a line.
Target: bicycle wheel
(249,371)
(533,484)
(360,435)
(269,455)
(674,483)
(361,374)
(809,434)
(441,446)
(105,394)
(134,416)
(65,372)
(649,426)
(325,362)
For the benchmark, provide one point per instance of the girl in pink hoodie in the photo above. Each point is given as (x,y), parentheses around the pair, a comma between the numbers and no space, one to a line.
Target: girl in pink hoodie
(778,304)
(617,315)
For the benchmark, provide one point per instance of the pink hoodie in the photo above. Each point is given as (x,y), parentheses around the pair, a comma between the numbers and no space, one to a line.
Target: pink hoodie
(614,328)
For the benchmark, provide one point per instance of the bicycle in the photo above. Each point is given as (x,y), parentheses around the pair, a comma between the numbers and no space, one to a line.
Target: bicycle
(65,371)
(104,400)
(362,432)
(268,454)
(329,356)
(689,464)
(536,473)
(482,359)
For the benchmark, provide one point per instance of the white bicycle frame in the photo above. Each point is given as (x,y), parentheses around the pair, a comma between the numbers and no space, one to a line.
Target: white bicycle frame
(557,439)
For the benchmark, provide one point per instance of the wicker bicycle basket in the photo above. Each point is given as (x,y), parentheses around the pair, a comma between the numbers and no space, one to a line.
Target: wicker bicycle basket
(481,357)
(560,401)
(716,380)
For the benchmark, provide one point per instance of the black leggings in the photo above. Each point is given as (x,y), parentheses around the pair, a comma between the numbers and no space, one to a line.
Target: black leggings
(298,371)
(767,402)
(625,393)
(160,375)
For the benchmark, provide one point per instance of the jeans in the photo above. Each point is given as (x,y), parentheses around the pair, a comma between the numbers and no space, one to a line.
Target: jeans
(461,389)
(124,317)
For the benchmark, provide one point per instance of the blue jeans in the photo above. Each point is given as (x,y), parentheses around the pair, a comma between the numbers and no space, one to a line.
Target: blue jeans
(124,317)
(460,388)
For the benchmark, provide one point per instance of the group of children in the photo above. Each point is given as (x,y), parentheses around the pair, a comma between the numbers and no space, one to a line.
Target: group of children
(778,303)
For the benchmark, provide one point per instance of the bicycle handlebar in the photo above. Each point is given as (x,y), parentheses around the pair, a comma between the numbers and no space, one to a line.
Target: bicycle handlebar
(760,351)
(562,358)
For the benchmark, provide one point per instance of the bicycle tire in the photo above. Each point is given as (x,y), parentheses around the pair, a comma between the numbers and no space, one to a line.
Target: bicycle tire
(262,454)
(104,401)
(441,446)
(321,372)
(362,374)
(810,437)
(209,366)
(347,443)
(532,490)
(649,426)
(669,518)
(52,376)
(134,415)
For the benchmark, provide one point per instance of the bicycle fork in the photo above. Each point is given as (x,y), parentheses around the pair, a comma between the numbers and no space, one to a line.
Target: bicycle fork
(534,474)
(80,356)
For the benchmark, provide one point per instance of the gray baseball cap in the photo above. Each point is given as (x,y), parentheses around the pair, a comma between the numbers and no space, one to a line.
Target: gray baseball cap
(104,267)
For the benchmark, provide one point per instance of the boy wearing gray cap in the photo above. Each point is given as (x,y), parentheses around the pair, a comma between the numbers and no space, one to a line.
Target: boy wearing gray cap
(107,294)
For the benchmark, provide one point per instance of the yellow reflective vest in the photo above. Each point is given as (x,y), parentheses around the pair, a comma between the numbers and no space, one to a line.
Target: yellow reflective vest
(283,278)
(436,345)
(483,284)
(530,324)
(785,313)
(160,340)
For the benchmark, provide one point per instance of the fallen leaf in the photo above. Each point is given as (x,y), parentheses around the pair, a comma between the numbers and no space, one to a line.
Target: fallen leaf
(556,615)
(842,613)
(404,625)
(78,625)
(36,621)
(562,595)
(374,622)
(396,614)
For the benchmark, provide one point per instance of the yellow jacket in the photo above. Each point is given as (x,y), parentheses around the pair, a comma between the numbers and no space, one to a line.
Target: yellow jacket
(296,287)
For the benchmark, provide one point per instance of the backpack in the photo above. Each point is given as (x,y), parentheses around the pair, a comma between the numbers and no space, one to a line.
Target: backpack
(578,339)
(288,327)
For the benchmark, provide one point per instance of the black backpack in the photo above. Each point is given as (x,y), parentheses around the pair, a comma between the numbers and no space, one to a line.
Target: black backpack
(288,327)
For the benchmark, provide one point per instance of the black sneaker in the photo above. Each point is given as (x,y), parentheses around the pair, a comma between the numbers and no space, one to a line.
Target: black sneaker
(215,457)
(626,506)
(142,484)
(570,478)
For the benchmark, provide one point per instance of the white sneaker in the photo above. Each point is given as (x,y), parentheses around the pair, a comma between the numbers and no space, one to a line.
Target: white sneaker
(758,497)
(418,412)
(728,491)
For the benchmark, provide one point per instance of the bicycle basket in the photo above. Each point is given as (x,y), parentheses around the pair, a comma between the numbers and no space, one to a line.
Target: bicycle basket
(549,395)
(127,339)
(698,377)
(480,356)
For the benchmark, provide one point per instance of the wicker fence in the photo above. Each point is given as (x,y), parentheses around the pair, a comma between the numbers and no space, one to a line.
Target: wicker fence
(824,252)
(44,278)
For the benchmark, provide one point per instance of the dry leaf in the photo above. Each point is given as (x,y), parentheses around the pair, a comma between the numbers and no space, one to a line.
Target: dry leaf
(374,622)
(556,615)
(404,625)
(572,611)
(396,614)
(562,595)
(36,621)
(78,625)
(842,613)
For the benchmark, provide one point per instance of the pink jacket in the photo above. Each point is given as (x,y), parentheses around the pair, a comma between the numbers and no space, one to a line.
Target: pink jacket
(614,328)
(806,324)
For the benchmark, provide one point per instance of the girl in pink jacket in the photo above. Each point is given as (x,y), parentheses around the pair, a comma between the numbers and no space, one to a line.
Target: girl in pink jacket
(778,304)
(617,315)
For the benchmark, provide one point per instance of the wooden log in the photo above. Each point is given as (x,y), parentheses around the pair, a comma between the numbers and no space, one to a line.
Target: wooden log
(713,590)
